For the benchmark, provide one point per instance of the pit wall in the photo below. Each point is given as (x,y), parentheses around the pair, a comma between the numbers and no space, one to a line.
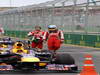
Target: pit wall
(74,39)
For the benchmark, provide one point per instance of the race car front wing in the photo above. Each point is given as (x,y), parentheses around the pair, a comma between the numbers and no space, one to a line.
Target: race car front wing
(61,67)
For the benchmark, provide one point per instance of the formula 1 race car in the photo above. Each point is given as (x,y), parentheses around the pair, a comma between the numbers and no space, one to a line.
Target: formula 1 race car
(21,59)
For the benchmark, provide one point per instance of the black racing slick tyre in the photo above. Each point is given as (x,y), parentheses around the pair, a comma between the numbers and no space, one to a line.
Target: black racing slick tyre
(64,59)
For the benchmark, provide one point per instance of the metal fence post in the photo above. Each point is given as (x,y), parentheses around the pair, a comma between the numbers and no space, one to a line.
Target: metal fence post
(62,16)
(73,15)
(53,12)
(86,16)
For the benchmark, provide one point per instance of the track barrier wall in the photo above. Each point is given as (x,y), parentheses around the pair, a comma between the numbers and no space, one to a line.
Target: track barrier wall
(74,39)
(83,40)
(19,34)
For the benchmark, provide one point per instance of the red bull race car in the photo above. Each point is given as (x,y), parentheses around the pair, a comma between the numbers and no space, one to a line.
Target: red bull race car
(19,58)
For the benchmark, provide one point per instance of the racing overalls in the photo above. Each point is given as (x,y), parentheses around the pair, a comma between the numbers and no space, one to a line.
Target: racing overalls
(1,31)
(54,39)
(37,40)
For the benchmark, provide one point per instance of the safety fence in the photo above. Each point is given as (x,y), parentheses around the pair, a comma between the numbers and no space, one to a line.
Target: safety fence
(68,15)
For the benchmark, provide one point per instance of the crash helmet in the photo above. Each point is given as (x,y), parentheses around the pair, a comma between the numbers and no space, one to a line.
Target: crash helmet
(18,44)
(52,27)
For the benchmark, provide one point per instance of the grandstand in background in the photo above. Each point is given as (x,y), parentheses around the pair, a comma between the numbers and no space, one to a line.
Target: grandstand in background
(6,8)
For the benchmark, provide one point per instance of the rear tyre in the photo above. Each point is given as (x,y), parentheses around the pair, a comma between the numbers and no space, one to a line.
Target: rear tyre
(64,59)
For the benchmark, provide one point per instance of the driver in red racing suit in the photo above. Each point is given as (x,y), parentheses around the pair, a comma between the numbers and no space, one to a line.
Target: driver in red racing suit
(54,38)
(37,40)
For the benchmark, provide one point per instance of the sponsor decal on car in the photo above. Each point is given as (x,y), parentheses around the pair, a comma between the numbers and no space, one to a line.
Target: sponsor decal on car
(57,67)
(5,67)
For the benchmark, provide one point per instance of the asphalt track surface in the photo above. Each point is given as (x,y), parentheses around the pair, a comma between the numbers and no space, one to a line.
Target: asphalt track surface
(78,54)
